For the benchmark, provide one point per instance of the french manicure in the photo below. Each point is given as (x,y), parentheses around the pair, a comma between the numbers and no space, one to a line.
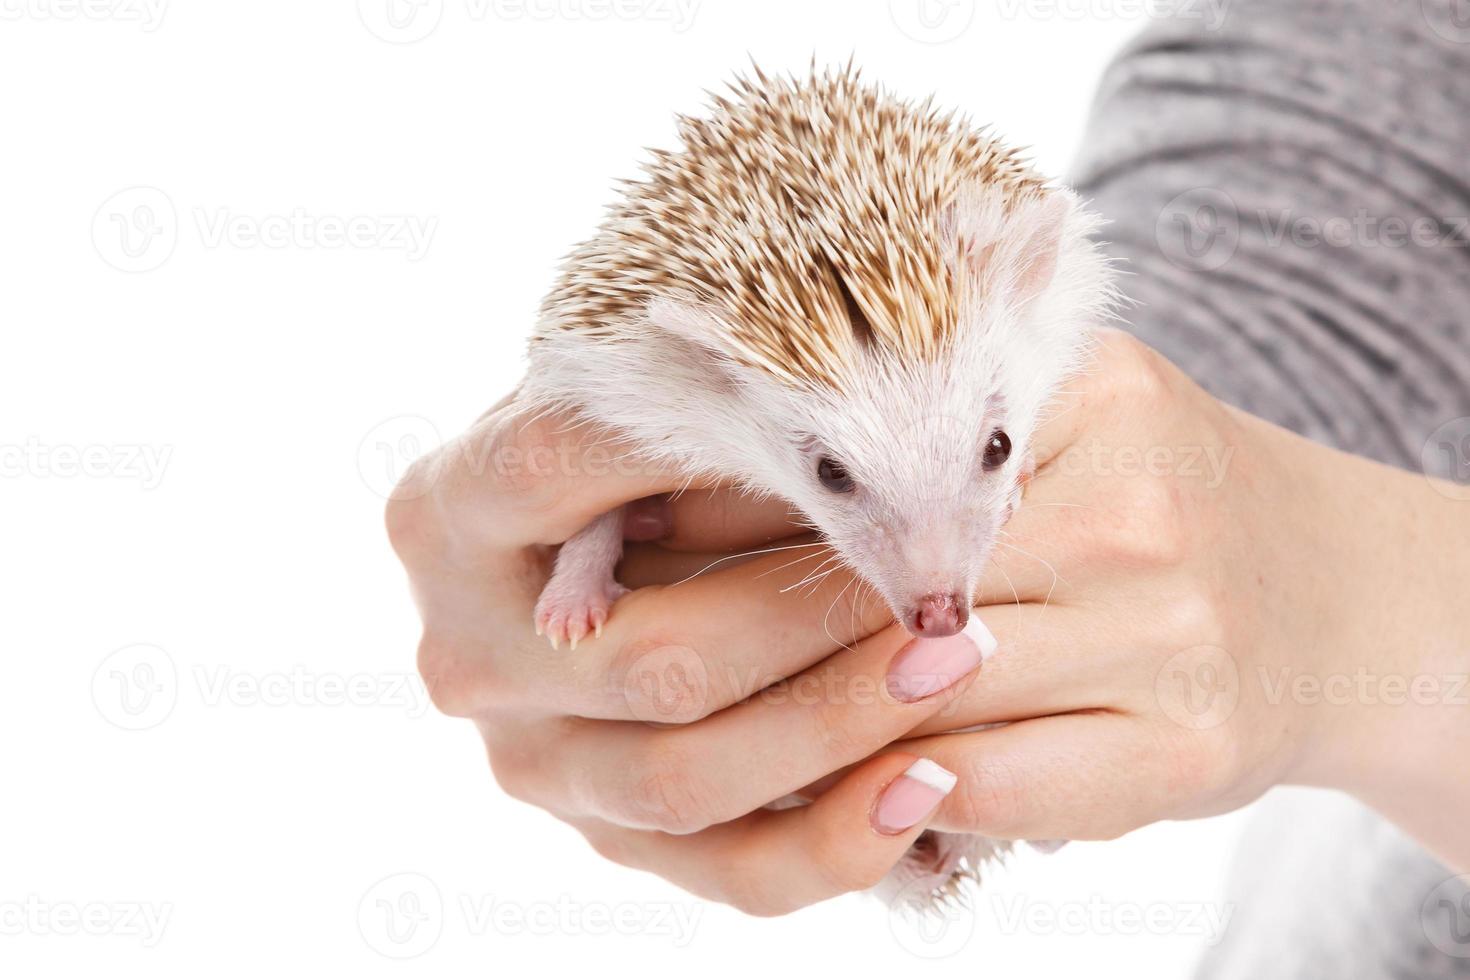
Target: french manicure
(911,797)
(928,666)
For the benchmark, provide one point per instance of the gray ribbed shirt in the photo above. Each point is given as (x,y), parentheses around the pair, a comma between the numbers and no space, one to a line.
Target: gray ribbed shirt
(1290,189)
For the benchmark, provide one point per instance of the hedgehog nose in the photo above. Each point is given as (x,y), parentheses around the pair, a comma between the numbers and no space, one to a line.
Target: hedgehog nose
(938,614)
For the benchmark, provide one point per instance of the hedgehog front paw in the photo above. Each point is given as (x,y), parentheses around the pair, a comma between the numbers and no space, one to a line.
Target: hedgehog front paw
(570,610)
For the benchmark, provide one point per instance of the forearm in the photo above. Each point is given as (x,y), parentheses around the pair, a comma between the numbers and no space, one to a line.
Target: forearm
(1388,710)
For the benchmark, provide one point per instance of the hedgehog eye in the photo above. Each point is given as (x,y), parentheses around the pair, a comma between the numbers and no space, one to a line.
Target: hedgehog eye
(834,476)
(997,450)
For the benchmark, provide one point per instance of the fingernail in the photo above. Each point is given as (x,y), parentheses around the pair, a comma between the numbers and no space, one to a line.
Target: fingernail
(1047,846)
(911,797)
(927,666)
(648,519)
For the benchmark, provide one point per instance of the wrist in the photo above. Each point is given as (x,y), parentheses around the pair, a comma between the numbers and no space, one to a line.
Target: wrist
(1385,713)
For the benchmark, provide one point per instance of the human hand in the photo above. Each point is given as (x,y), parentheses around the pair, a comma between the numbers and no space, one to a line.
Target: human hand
(647,739)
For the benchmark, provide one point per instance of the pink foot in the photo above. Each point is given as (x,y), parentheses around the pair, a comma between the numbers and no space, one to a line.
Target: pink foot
(569,609)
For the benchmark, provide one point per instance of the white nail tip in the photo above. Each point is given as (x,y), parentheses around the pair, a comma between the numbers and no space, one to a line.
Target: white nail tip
(933,775)
(981,636)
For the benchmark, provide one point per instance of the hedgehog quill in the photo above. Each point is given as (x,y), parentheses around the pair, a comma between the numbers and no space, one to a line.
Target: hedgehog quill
(857,303)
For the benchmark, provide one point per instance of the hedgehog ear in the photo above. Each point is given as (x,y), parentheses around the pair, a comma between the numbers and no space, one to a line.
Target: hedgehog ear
(1037,262)
(1012,249)
(696,325)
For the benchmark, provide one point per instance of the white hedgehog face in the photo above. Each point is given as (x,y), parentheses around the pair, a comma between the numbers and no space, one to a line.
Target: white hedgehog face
(909,462)
(911,480)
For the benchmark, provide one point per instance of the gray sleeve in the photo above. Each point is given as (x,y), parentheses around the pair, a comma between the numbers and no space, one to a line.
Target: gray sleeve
(1289,190)
(1288,183)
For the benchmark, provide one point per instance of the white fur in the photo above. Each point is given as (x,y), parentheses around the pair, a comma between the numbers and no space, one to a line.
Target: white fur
(911,433)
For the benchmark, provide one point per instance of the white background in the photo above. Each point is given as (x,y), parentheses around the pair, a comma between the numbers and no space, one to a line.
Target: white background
(207,395)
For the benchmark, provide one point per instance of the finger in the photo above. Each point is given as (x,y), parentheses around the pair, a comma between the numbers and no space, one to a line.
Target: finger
(510,481)
(1050,660)
(1087,776)
(702,644)
(774,862)
(686,778)
(727,519)
(653,564)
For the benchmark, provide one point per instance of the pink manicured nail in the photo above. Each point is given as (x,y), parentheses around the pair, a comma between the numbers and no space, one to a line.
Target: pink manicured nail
(648,519)
(911,797)
(928,666)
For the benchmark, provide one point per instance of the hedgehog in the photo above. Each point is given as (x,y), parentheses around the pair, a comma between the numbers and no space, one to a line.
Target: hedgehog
(860,304)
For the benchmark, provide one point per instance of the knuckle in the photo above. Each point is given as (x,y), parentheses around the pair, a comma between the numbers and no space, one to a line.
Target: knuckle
(512,776)
(1147,525)
(662,679)
(455,687)
(1135,371)
(845,868)
(662,793)
(754,894)
(610,845)
(524,456)
(1198,765)
(992,802)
